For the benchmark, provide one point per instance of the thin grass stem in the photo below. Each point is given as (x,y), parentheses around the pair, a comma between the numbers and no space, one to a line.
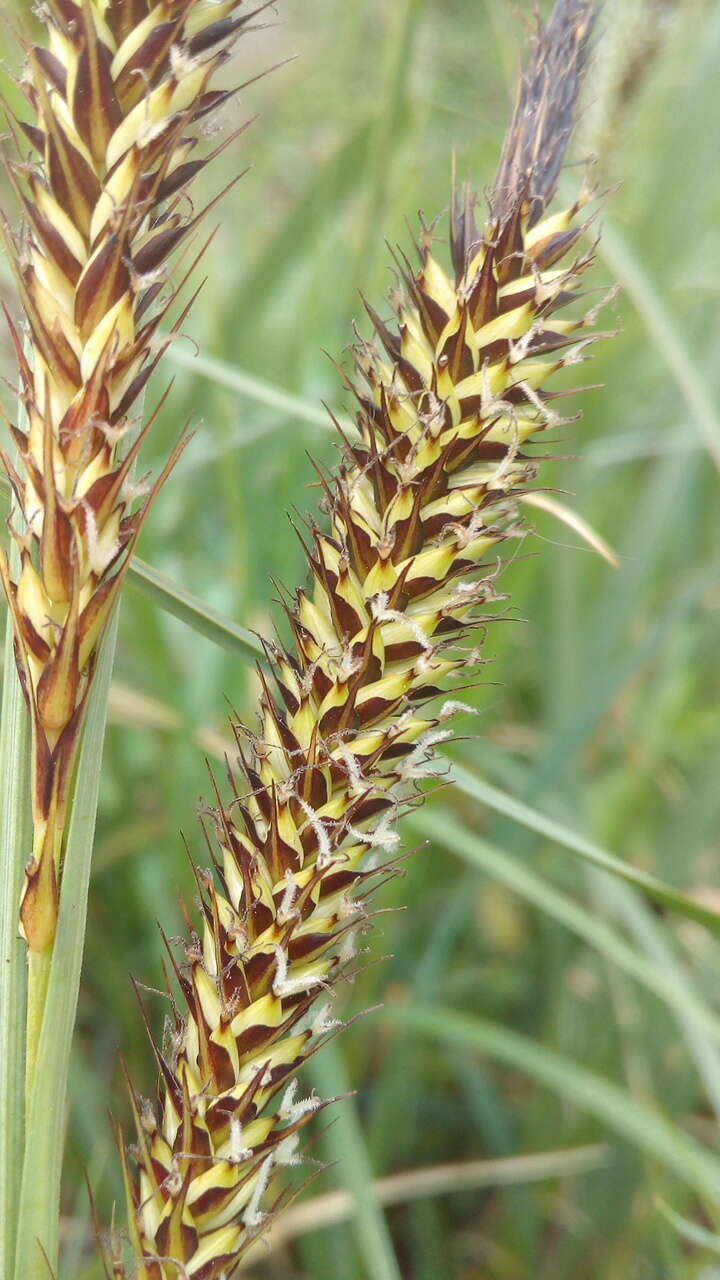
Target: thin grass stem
(15,838)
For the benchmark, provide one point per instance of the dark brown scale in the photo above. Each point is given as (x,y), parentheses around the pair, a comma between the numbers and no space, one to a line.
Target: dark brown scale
(548,341)
(465,238)
(123,16)
(52,69)
(251,1040)
(320,684)
(280,857)
(212,101)
(154,252)
(304,640)
(510,301)
(35,643)
(104,281)
(236,991)
(188,1233)
(260,794)
(344,617)
(93,402)
(94,109)
(57,545)
(220,1065)
(337,882)
(71,180)
(200,1146)
(397,750)
(66,12)
(405,531)
(336,719)
(472,407)
(54,347)
(510,256)
(218,32)
(255,917)
(494,353)
(210,1270)
(458,454)
(432,316)
(378,708)
(147,65)
(350,621)
(260,971)
(309,946)
(385,486)
(159,1171)
(135,389)
(391,341)
(411,376)
(374,414)
(51,241)
(562,299)
(313,787)
(36,137)
(214,1199)
(456,355)
(417,588)
(279,1075)
(402,653)
(371,668)
(549,251)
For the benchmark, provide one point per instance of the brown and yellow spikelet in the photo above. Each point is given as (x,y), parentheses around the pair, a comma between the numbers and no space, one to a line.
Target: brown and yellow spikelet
(403,576)
(116,95)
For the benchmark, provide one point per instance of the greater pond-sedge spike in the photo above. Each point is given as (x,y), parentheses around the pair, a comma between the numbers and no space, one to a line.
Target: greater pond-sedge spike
(117,95)
(404,579)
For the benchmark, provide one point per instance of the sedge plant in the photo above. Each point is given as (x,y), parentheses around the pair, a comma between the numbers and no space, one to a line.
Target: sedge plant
(404,581)
(119,96)
(404,565)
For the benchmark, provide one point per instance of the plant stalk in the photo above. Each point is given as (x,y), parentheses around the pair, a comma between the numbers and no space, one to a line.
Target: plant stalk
(38,977)
(15,842)
(39,1202)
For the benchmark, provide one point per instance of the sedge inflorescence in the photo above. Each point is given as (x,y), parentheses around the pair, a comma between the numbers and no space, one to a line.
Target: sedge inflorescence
(116,95)
(452,391)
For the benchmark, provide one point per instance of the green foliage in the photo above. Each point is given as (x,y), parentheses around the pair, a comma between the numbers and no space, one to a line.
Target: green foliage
(600,711)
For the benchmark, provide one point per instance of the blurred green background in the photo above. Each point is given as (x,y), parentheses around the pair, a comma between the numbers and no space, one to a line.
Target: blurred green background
(565,1012)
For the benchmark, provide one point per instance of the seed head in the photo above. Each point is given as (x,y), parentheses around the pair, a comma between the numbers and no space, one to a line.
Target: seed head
(116,97)
(451,393)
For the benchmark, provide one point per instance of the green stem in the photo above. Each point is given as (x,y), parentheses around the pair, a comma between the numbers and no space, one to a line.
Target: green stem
(15,843)
(39,1205)
(38,977)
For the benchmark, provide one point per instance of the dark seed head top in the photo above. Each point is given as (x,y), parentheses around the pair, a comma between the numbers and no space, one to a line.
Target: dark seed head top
(545,111)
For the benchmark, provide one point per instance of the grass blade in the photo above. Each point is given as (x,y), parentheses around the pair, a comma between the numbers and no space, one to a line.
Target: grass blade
(246,384)
(654,940)
(659,978)
(692,1232)
(501,802)
(182,604)
(344,1144)
(638,284)
(613,1106)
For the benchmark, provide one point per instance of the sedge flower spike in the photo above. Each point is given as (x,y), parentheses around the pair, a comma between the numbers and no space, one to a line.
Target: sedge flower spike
(117,95)
(403,582)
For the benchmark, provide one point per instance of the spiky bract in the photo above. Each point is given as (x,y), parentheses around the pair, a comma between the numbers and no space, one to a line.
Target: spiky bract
(116,96)
(403,581)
